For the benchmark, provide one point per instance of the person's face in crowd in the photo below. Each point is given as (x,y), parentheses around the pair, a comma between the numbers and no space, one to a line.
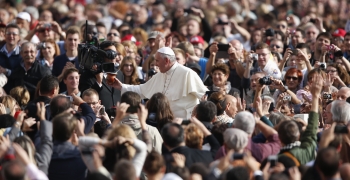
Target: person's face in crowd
(297,38)
(72,80)
(44,34)
(232,110)
(338,41)
(254,80)
(292,80)
(130,52)
(282,26)
(138,59)
(343,93)
(180,58)
(175,41)
(21,23)
(48,50)
(193,27)
(299,58)
(92,100)
(183,30)
(219,78)
(154,66)
(238,46)
(152,43)
(263,56)
(156,11)
(276,46)
(102,31)
(164,64)
(292,62)
(198,51)
(119,58)
(46,16)
(4,16)
(28,54)
(311,33)
(111,60)
(322,41)
(113,35)
(78,11)
(339,61)
(128,69)
(332,71)
(140,16)
(347,43)
(72,42)
(12,36)
(327,114)
(277,36)
(257,36)
(2,33)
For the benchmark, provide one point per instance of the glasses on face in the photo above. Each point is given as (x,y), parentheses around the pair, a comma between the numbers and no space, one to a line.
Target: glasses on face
(281,26)
(275,45)
(114,34)
(218,74)
(333,71)
(291,78)
(11,33)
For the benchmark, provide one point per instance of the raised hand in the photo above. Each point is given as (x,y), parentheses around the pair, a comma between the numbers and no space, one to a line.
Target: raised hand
(316,86)
(41,110)
(213,49)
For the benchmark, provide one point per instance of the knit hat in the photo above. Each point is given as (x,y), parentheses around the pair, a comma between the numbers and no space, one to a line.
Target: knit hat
(235,139)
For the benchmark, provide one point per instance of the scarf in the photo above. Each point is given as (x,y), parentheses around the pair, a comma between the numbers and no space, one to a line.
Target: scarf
(291,145)
(227,87)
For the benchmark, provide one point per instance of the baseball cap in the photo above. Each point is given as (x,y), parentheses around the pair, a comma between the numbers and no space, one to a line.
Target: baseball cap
(153,34)
(339,33)
(235,138)
(197,40)
(130,37)
(24,16)
(167,51)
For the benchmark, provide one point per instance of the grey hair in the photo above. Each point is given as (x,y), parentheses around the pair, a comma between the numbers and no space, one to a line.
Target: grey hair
(170,57)
(269,98)
(340,111)
(245,121)
(28,44)
(276,117)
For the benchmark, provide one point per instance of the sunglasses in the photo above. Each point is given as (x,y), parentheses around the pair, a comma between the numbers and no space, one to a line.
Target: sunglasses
(274,45)
(114,34)
(291,77)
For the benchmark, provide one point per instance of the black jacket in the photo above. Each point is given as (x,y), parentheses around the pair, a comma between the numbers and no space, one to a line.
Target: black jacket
(105,92)
(28,79)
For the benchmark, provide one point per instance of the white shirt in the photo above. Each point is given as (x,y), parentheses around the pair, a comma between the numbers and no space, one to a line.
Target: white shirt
(271,69)
(182,86)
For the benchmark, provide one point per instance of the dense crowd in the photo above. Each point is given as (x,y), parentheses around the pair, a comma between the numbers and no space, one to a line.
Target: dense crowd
(168,90)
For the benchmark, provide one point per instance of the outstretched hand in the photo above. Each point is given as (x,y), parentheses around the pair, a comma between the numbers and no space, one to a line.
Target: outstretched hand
(116,84)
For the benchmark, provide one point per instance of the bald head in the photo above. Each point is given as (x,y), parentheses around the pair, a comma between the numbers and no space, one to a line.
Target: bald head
(345,171)
(237,44)
(343,93)
(231,109)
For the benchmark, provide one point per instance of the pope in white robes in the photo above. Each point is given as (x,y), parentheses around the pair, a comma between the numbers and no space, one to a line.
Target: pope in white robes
(181,85)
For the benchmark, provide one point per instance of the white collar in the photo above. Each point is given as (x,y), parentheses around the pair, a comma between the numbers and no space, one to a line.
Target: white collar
(172,69)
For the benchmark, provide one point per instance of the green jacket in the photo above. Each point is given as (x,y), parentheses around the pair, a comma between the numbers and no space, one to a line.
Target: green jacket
(306,152)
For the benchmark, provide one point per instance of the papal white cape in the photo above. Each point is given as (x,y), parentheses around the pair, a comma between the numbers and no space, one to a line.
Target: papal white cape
(181,85)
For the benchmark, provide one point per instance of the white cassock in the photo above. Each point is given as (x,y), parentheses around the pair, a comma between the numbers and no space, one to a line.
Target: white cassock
(271,69)
(181,85)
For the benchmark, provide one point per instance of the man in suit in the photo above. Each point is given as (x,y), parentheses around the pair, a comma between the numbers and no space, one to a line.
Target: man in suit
(173,137)
(109,96)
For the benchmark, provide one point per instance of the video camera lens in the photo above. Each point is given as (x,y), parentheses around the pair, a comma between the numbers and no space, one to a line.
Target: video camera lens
(265,81)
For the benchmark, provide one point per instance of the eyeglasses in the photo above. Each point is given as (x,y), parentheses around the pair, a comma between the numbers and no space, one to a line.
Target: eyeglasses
(11,33)
(114,34)
(333,71)
(291,77)
(275,45)
(282,26)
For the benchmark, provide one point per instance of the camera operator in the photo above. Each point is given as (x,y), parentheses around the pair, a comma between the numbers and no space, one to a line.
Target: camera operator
(108,95)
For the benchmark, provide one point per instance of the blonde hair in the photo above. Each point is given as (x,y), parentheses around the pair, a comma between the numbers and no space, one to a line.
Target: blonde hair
(124,131)
(134,79)
(142,33)
(21,95)
(9,102)
(193,137)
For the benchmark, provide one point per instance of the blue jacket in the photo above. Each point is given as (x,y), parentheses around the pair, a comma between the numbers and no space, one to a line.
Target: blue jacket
(11,62)
(66,162)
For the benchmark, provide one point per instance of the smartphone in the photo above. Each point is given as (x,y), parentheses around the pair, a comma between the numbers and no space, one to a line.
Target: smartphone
(188,11)
(273,159)
(236,156)
(102,110)
(108,67)
(185,122)
(313,21)
(223,51)
(70,98)
(208,93)
(341,130)
(295,52)
(269,32)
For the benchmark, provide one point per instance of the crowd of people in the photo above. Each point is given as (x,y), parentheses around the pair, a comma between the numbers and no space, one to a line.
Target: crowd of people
(170,90)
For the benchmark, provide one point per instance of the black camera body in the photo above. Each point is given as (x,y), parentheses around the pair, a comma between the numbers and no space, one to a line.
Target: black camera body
(327,96)
(265,81)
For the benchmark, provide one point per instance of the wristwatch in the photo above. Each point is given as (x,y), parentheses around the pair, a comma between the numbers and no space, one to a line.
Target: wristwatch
(285,88)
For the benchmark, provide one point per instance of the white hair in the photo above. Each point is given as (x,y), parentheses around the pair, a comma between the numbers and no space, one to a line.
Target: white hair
(170,57)
(340,111)
(245,121)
